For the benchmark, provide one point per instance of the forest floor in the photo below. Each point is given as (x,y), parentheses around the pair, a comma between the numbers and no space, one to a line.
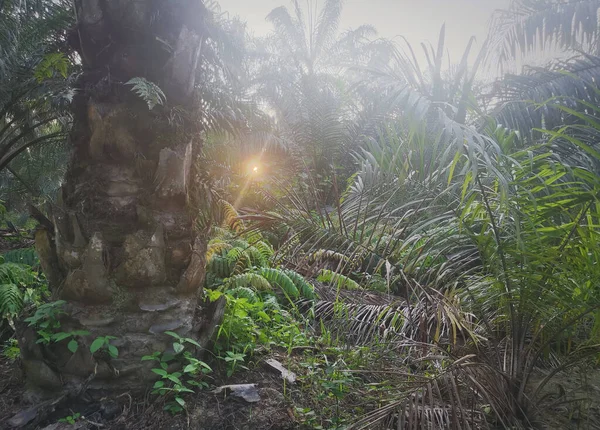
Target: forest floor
(205,409)
(306,404)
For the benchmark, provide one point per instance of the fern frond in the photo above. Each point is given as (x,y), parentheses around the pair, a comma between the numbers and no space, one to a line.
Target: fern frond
(253,236)
(279,278)
(329,255)
(239,260)
(339,281)
(18,274)
(270,303)
(212,281)
(238,243)
(219,266)
(265,249)
(305,289)
(253,280)
(220,233)
(147,91)
(11,300)
(288,247)
(216,248)
(256,257)
(244,293)
(26,256)
(231,218)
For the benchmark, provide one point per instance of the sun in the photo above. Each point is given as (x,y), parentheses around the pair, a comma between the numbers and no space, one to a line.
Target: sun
(255,169)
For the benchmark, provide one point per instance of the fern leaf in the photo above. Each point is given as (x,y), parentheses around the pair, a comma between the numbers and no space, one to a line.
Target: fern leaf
(219,266)
(257,258)
(231,217)
(244,293)
(220,233)
(270,303)
(278,277)
(305,289)
(11,300)
(265,249)
(253,280)
(26,256)
(327,254)
(13,273)
(238,243)
(147,91)
(339,281)
(239,260)
(216,248)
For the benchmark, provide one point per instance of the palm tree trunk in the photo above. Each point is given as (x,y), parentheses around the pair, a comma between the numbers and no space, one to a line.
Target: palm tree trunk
(123,253)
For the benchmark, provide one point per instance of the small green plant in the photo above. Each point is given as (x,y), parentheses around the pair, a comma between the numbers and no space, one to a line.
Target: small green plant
(147,91)
(103,343)
(308,418)
(52,64)
(46,316)
(175,384)
(20,286)
(26,256)
(71,419)
(11,350)
(252,322)
(45,320)
(73,344)
(233,359)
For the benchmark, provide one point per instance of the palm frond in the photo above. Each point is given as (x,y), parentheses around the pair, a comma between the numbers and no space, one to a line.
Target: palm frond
(528,26)
(521,100)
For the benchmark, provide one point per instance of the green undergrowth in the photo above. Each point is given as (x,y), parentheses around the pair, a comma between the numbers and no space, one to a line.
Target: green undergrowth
(336,381)
(21,282)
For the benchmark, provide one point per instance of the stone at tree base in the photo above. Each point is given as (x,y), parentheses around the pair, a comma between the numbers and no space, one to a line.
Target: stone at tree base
(159,307)
(99,321)
(80,364)
(23,418)
(67,426)
(212,317)
(41,375)
(169,325)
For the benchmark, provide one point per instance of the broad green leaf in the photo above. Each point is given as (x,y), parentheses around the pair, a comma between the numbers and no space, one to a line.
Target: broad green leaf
(97,344)
(72,346)
(160,372)
(113,351)
(60,336)
(177,347)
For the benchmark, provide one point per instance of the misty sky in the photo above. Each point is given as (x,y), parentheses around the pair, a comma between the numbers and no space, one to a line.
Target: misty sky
(417,20)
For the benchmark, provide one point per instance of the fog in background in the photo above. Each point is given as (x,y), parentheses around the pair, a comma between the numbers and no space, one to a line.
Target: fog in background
(417,20)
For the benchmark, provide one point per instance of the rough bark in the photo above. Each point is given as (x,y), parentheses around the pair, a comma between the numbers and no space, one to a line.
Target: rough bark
(123,252)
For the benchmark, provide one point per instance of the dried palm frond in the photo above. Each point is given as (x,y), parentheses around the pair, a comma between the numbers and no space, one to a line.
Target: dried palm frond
(435,320)
(448,400)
